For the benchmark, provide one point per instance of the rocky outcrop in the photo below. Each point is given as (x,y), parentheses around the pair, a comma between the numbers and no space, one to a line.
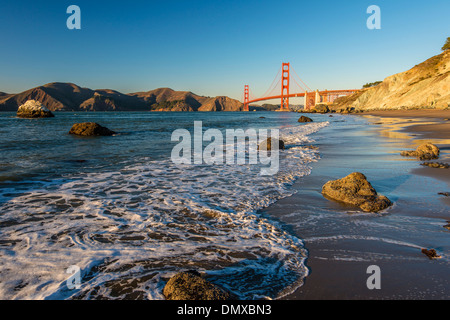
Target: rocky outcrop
(267,144)
(305,119)
(321,108)
(33,109)
(191,286)
(90,129)
(426,85)
(426,151)
(357,191)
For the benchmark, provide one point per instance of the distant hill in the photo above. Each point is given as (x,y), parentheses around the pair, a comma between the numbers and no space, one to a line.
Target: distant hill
(70,97)
(427,85)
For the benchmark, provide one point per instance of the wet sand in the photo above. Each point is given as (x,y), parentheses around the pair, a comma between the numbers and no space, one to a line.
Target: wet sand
(343,242)
(421,126)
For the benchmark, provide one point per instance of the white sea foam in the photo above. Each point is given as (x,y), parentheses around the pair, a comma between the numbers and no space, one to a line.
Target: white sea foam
(130,230)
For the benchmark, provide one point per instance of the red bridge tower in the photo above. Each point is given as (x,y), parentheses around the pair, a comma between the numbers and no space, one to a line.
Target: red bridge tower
(285,87)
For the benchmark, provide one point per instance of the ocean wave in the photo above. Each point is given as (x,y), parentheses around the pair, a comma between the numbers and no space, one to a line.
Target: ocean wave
(129,230)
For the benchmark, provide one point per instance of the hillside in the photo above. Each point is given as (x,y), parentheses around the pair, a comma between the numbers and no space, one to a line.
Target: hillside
(166,99)
(70,97)
(427,85)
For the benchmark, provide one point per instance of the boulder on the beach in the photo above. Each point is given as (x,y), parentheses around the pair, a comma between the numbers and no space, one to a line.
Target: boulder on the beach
(191,286)
(355,190)
(267,144)
(426,151)
(90,129)
(305,119)
(33,109)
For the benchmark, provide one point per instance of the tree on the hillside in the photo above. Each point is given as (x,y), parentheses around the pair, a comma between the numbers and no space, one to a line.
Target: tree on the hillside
(372,84)
(446,45)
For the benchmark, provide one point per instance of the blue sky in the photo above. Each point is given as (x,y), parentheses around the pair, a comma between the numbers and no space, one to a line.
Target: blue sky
(214,47)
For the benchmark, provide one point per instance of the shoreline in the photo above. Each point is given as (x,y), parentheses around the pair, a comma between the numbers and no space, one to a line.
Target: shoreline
(420,126)
(342,242)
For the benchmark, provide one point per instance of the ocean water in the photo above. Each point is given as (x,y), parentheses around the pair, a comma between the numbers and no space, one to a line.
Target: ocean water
(129,218)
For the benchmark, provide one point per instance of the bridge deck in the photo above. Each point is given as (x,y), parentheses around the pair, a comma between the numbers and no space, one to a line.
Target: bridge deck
(299,95)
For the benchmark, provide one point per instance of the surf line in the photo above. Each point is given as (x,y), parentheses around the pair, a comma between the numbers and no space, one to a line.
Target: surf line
(233,152)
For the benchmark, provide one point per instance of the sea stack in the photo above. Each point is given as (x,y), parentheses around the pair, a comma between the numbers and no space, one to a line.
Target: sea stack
(33,109)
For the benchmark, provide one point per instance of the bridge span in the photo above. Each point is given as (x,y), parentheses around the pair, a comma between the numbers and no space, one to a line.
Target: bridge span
(312,98)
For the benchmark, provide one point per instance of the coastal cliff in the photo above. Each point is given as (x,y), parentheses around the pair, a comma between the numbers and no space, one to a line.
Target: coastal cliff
(70,97)
(427,85)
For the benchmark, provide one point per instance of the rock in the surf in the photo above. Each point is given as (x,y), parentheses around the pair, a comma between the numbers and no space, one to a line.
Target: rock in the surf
(90,129)
(305,119)
(431,254)
(355,190)
(426,151)
(439,165)
(191,286)
(447,226)
(34,109)
(267,144)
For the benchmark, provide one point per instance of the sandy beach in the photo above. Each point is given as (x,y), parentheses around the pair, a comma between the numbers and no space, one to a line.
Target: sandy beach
(342,242)
(420,126)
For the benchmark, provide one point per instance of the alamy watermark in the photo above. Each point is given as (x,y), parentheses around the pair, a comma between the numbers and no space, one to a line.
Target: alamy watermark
(74,281)
(235,147)
(74,20)
(374,21)
(374,281)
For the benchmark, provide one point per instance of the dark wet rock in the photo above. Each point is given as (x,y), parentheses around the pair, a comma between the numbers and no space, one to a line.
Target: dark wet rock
(439,165)
(431,254)
(191,286)
(445,194)
(426,151)
(355,190)
(90,129)
(305,119)
(267,144)
(34,109)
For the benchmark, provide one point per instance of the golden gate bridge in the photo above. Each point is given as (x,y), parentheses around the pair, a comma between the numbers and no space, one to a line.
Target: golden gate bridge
(288,81)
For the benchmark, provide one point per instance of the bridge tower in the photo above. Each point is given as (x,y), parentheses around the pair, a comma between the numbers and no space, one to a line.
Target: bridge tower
(285,77)
(318,98)
(246,97)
